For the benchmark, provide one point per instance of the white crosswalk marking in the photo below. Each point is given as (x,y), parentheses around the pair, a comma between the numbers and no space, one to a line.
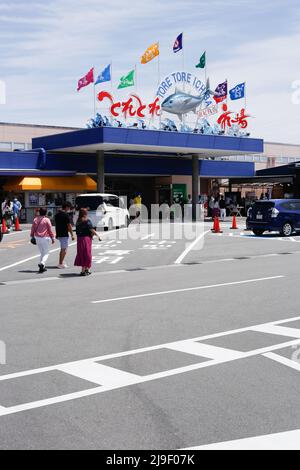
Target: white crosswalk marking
(109,378)
(278,330)
(99,374)
(283,360)
(205,350)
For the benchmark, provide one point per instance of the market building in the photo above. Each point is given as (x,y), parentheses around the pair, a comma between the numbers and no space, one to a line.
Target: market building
(161,165)
(48,165)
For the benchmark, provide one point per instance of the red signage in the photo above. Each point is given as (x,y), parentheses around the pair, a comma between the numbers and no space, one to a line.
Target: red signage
(225,120)
(132,107)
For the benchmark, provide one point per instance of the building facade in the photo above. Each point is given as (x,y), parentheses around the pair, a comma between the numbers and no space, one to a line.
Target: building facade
(153,166)
(157,164)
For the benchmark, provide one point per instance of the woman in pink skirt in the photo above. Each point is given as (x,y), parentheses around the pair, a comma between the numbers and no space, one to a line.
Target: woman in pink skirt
(85,232)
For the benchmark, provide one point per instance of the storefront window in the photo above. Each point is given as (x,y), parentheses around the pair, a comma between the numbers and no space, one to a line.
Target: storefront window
(33,199)
(54,199)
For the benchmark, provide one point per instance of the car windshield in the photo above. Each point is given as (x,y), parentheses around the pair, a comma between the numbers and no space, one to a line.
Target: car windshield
(88,202)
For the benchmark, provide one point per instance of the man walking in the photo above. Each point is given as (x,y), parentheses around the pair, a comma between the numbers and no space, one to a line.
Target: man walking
(63,229)
(222,206)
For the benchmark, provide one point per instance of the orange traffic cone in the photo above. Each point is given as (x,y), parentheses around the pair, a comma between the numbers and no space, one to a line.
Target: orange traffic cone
(4,227)
(234,224)
(216,228)
(17,225)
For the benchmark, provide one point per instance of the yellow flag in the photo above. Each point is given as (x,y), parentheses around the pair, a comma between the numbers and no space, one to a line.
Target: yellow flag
(150,53)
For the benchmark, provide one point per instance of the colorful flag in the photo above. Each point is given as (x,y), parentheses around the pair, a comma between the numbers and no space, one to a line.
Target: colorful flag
(150,53)
(220,92)
(86,80)
(127,80)
(202,61)
(104,76)
(178,43)
(237,92)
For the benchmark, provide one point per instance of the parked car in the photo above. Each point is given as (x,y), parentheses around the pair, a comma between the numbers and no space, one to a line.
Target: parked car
(274,215)
(105,210)
(1,234)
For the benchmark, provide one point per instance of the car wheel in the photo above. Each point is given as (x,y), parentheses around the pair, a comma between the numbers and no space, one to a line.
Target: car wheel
(258,233)
(287,230)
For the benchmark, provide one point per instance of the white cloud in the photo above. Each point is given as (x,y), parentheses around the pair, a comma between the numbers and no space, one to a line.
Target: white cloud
(46,47)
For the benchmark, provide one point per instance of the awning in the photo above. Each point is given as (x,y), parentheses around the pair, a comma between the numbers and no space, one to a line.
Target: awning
(66,184)
(263,180)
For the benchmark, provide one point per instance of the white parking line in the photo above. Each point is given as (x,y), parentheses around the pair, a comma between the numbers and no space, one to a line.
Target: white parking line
(51,251)
(99,374)
(148,236)
(289,440)
(283,360)
(278,330)
(174,291)
(111,378)
(190,247)
(29,259)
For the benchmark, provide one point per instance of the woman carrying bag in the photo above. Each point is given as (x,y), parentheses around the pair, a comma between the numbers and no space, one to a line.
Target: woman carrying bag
(42,236)
(85,232)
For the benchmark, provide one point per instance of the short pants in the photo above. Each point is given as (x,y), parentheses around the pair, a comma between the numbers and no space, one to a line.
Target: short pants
(64,242)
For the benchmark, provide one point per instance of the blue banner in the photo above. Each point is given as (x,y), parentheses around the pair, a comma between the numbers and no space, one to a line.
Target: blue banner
(178,43)
(237,92)
(104,76)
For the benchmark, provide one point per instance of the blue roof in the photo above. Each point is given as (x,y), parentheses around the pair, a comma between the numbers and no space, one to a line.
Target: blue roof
(118,139)
(55,164)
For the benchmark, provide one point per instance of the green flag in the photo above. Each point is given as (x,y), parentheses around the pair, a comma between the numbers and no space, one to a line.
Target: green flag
(202,61)
(127,80)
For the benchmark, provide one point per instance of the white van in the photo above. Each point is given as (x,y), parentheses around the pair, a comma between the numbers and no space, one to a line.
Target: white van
(105,210)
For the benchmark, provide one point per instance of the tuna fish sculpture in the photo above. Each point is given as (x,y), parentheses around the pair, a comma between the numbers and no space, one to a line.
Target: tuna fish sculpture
(180,103)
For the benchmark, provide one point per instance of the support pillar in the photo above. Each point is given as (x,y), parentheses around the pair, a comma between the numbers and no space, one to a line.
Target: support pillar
(195,185)
(100,171)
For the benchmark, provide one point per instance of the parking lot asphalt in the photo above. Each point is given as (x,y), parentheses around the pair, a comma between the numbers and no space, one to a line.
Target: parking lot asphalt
(171,343)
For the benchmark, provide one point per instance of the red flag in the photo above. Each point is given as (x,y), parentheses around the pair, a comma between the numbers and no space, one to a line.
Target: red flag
(86,80)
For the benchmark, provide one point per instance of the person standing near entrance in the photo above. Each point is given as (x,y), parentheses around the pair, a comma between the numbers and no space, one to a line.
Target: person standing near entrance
(85,232)
(216,208)
(222,206)
(8,212)
(41,232)
(17,206)
(138,205)
(211,204)
(63,229)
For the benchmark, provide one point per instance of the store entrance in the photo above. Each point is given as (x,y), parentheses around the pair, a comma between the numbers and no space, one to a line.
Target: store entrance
(130,186)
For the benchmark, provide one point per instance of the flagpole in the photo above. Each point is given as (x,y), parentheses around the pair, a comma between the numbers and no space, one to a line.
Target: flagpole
(205,68)
(111,86)
(183,117)
(94,94)
(182,54)
(158,79)
(111,77)
(135,78)
(245,96)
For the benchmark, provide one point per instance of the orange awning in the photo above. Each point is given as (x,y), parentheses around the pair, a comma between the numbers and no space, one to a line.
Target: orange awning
(66,184)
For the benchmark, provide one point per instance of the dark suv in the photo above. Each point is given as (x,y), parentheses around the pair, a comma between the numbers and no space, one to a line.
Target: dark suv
(274,215)
(1,234)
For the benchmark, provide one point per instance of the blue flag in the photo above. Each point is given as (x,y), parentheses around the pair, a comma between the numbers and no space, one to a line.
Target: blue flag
(104,76)
(237,92)
(178,43)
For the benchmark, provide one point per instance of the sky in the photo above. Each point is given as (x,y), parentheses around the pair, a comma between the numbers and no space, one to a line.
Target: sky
(45,47)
